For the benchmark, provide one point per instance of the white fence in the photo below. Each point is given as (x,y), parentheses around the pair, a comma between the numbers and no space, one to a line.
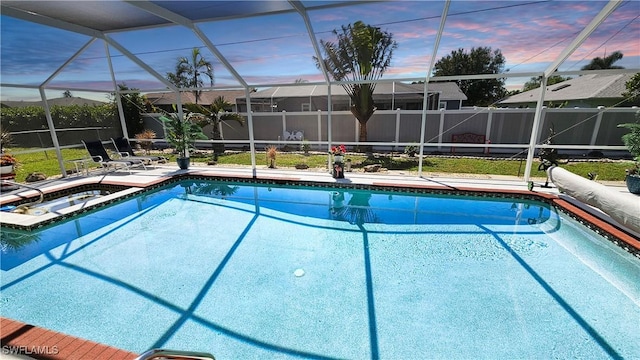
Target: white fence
(507,131)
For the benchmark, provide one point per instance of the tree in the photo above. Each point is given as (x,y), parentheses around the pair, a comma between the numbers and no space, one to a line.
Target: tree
(480,60)
(362,53)
(215,115)
(67,94)
(133,105)
(534,83)
(599,63)
(632,95)
(190,72)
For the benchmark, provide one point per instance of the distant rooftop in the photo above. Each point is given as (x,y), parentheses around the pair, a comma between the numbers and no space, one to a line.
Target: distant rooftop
(447,90)
(591,86)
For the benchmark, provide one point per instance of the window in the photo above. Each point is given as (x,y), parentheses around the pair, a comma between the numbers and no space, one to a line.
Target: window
(306,107)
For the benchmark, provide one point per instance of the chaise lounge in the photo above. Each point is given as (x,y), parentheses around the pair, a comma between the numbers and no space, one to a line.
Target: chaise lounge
(124,149)
(99,154)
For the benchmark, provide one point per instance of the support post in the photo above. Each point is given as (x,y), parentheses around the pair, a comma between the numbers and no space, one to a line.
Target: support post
(535,128)
(52,132)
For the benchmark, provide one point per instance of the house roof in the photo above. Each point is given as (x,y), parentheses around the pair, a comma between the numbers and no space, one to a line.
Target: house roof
(63,101)
(186,97)
(591,86)
(447,90)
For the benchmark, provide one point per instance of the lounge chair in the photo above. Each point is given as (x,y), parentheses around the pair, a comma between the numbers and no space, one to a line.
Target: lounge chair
(99,154)
(124,149)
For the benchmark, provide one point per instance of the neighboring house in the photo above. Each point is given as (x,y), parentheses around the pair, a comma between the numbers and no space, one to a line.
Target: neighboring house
(63,101)
(165,101)
(586,91)
(387,96)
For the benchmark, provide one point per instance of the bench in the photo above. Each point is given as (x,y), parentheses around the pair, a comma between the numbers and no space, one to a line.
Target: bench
(468,138)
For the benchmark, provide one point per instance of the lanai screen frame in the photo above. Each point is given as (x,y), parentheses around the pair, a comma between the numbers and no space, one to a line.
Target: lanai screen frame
(164,17)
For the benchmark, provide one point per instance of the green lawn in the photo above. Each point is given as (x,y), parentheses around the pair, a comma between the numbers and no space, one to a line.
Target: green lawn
(47,163)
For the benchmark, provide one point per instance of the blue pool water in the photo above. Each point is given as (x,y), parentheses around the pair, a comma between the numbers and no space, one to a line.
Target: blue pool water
(253,272)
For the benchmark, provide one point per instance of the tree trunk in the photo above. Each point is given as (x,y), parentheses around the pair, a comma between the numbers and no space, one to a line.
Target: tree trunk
(218,148)
(363,118)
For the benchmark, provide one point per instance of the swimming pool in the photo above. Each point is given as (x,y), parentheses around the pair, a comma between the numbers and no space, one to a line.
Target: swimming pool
(254,271)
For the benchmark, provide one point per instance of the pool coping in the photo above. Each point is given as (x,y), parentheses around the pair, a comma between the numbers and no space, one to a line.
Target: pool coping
(70,347)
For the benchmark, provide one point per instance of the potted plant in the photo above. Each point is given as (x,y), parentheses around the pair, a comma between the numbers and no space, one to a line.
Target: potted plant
(338,153)
(305,147)
(7,164)
(411,150)
(272,151)
(144,139)
(182,133)
(338,156)
(632,141)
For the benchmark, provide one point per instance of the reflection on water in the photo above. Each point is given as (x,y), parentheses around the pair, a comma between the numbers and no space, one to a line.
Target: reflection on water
(13,240)
(222,190)
(358,206)
(357,211)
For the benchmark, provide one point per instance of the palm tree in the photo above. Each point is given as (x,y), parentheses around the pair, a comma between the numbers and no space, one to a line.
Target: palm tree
(362,53)
(215,115)
(190,71)
(599,63)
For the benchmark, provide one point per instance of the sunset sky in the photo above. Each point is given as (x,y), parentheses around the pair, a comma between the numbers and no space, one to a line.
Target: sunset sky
(276,48)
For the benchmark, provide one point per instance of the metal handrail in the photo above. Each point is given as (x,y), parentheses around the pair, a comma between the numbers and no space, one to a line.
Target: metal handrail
(174,354)
(28,187)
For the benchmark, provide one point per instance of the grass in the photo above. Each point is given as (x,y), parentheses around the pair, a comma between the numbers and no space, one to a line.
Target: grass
(47,163)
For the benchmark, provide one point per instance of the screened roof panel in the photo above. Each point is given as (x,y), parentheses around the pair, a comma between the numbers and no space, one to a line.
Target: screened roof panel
(160,48)
(131,74)
(88,71)
(33,53)
(620,31)
(215,10)
(97,15)
(529,35)
(266,42)
(413,25)
(266,50)
(320,3)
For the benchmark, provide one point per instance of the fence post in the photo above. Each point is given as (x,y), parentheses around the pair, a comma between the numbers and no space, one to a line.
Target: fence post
(441,129)
(397,128)
(284,124)
(596,127)
(487,132)
(357,132)
(320,126)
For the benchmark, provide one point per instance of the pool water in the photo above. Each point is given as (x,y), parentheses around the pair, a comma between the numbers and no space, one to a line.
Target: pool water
(250,271)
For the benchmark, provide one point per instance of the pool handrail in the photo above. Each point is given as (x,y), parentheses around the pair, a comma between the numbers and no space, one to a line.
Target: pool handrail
(174,354)
(40,199)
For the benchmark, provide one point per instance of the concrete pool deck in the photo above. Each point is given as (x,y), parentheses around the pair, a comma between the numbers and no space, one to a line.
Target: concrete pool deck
(139,179)
(19,336)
